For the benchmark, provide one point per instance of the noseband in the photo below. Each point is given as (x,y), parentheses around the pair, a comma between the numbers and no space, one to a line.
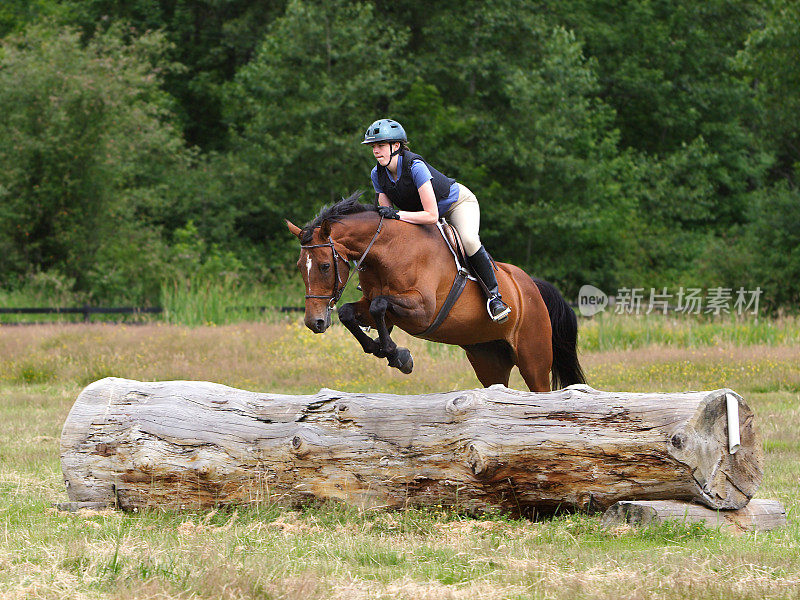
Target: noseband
(337,289)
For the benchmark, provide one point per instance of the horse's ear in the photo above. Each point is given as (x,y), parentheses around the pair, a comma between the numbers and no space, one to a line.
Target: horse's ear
(325,229)
(296,231)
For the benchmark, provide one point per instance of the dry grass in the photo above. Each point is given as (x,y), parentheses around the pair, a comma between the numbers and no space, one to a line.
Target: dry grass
(746,369)
(283,357)
(336,552)
(286,357)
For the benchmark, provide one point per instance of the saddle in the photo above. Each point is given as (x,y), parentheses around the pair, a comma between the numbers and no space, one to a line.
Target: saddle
(453,240)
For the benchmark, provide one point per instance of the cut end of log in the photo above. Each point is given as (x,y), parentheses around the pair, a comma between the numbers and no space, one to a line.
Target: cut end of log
(725,480)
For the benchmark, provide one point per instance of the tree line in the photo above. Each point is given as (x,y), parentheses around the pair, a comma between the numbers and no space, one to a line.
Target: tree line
(649,143)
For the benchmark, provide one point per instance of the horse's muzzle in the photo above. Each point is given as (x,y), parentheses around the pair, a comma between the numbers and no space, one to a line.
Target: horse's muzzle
(318,323)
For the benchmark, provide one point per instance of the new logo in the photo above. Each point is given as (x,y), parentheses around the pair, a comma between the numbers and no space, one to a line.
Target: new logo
(591,300)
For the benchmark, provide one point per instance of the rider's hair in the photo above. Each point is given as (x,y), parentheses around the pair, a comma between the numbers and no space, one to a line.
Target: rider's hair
(403,145)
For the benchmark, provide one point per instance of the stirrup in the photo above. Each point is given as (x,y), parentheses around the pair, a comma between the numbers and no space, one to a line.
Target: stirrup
(503,316)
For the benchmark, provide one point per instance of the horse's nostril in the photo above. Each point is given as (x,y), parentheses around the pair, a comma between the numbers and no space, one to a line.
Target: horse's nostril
(320,324)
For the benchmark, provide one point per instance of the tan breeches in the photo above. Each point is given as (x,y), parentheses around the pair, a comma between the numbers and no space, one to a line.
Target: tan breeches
(465,216)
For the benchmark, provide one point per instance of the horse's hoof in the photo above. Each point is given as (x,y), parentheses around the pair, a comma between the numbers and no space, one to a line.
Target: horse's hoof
(401,360)
(405,360)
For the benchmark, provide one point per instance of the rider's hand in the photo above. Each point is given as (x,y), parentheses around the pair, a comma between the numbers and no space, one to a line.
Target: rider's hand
(387,212)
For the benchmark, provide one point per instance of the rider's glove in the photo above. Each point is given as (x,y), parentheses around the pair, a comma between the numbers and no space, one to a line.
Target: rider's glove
(387,212)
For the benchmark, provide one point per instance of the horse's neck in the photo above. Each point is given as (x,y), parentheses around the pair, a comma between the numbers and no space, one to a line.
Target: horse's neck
(355,237)
(397,251)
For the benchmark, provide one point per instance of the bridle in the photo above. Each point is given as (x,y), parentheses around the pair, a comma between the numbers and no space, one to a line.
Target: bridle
(339,286)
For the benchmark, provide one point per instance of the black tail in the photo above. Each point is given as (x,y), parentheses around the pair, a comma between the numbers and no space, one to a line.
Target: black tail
(566,368)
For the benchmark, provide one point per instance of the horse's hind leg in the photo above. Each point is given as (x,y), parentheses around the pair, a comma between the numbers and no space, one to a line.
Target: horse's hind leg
(534,360)
(399,358)
(491,361)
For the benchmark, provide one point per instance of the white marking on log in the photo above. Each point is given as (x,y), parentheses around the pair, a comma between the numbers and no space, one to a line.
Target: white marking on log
(732,406)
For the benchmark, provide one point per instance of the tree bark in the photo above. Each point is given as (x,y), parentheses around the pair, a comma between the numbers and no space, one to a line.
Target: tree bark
(190,445)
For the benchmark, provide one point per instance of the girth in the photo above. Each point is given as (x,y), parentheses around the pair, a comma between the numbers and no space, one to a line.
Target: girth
(460,281)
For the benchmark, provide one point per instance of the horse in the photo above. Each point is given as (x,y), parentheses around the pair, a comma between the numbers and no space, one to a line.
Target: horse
(406,272)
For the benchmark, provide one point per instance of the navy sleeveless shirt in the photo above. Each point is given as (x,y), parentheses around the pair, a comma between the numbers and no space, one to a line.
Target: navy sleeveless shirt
(404,193)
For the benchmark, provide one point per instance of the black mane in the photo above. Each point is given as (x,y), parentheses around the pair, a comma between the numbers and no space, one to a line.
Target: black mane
(334,213)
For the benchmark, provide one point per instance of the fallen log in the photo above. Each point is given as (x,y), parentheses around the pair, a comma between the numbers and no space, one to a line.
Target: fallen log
(758,515)
(190,445)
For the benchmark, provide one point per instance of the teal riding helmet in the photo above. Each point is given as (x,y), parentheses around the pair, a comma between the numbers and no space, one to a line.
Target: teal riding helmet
(385,130)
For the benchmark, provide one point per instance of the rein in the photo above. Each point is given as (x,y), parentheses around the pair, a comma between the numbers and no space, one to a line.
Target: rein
(338,291)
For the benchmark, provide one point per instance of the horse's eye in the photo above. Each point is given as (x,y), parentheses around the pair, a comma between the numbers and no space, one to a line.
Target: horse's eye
(325,267)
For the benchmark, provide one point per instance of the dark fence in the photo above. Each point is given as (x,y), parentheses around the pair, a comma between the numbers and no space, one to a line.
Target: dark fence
(86,311)
(283,309)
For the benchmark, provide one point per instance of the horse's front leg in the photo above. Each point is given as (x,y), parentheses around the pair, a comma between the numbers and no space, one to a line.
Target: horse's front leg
(349,317)
(399,358)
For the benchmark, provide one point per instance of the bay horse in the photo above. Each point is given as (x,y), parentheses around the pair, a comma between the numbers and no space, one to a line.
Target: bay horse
(406,272)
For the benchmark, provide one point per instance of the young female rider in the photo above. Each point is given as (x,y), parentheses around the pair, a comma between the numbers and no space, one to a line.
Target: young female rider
(404,179)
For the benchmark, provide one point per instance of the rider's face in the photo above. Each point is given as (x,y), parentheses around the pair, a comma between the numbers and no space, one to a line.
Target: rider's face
(382,151)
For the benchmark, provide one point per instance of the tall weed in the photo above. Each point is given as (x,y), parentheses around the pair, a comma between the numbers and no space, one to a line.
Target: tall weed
(224,300)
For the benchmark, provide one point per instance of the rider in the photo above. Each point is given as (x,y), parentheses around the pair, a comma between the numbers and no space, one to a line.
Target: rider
(423,194)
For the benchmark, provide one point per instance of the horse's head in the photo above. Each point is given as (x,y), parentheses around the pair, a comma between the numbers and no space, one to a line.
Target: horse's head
(325,270)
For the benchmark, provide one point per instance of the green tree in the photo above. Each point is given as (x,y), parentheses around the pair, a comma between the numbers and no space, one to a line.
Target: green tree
(508,106)
(16,14)
(210,38)
(773,244)
(561,151)
(668,69)
(767,248)
(665,65)
(769,63)
(298,111)
(89,154)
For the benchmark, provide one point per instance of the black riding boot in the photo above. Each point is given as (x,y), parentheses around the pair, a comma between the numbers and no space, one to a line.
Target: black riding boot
(483,268)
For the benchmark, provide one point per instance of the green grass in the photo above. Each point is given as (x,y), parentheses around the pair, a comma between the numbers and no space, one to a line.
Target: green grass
(334,551)
(625,332)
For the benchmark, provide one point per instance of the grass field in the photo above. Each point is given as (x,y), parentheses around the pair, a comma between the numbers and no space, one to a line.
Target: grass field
(336,552)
